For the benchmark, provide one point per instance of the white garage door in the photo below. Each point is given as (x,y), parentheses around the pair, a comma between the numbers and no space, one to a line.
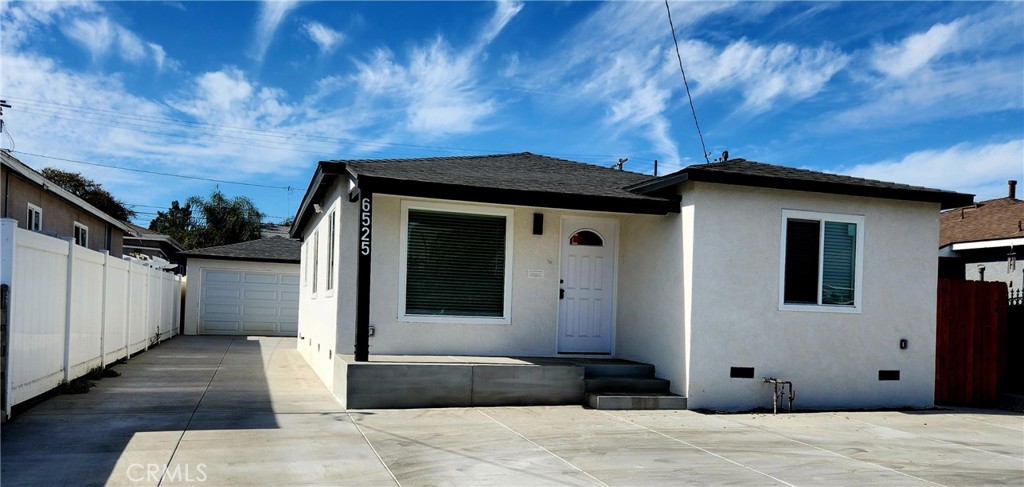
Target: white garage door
(248,303)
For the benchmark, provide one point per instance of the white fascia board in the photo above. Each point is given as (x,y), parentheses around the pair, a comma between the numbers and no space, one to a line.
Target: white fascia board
(988,244)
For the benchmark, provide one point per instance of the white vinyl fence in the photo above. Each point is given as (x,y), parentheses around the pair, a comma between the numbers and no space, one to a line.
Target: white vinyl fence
(71,309)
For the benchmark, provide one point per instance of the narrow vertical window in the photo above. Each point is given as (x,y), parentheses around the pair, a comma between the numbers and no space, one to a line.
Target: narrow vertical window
(316,257)
(330,251)
(304,262)
(34,218)
(81,235)
(802,261)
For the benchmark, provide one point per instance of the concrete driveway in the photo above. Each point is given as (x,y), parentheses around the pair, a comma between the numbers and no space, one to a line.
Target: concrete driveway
(238,411)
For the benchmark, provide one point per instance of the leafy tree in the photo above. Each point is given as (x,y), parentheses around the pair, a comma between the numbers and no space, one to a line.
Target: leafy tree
(90,191)
(178,223)
(206,223)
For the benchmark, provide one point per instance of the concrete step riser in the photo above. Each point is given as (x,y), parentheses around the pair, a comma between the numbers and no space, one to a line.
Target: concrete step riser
(627,385)
(639,402)
(594,371)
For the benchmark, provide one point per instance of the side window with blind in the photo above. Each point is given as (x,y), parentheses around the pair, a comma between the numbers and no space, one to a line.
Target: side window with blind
(456,265)
(316,259)
(821,261)
(331,231)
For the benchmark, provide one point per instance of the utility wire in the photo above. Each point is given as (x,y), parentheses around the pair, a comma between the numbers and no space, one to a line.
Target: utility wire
(122,168)
(46,105)
(679,57)
(243,142)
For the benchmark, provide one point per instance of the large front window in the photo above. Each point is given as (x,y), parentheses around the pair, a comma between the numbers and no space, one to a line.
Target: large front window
(821,261)
(456,263)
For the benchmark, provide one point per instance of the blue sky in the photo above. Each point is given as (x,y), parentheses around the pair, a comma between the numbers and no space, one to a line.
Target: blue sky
(926,93)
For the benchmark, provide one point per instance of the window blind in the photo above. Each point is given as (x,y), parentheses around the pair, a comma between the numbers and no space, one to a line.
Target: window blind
(838,266)
(455,264)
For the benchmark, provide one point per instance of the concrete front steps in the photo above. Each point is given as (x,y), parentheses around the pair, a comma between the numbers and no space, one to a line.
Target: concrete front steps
(614,386)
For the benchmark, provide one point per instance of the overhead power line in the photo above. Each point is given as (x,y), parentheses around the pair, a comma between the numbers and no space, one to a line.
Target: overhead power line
(243,136)
(158,173)
(679,57)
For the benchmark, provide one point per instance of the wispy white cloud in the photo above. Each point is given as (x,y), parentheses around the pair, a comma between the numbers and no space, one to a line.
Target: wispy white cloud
(915,52)
(979,169)
(437,87)
(620,58)
(272,12)
(96,36)
(505,10)
(326,38)
(84,23)
(766,75)
(967,66)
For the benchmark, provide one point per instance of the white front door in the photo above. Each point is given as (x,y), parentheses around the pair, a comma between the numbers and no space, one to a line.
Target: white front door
(586,282)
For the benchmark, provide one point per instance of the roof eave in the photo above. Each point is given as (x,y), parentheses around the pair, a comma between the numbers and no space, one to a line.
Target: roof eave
(325,174)
(158,238)
(543,199)
(239,258)
(944,198)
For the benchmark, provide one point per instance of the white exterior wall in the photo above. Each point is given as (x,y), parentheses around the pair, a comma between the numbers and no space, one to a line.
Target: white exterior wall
(195,286)
(533,330)
(651,307)
(318,322)
(833,359)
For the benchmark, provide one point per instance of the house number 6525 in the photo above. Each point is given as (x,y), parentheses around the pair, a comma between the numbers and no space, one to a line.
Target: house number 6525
(364,227)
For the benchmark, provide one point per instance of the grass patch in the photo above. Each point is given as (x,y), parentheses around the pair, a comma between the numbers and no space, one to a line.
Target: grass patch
(77,386)
(101,373)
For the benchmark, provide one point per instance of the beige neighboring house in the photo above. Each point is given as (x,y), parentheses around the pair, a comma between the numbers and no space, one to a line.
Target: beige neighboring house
(41,205)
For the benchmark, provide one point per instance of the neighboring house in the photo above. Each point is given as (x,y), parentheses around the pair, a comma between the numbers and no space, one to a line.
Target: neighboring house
(43,206)
(718,275)
(274,230)
(248,288)
(984,241)
(153,244)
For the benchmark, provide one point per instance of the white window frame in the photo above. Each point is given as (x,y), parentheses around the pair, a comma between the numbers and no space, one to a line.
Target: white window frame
(332,242)
(39,218)
(858,290)
(316,260)
(79,230)
(304,263)
(508,213)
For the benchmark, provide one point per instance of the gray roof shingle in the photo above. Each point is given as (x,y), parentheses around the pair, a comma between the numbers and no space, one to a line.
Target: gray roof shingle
(521,171)
(751,173)
(271,249)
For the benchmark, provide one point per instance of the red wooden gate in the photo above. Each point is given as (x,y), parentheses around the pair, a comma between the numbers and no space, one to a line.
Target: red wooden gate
(970,350)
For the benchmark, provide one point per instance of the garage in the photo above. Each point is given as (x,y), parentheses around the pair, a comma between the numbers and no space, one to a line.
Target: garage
(249,288)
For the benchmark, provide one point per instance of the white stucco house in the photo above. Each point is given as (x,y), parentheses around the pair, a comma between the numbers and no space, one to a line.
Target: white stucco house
(718,275)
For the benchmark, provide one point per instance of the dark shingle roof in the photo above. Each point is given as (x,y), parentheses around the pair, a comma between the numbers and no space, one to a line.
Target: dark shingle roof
(751,173)
(520,179)
(271,249)
(520,171)
(989,220)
